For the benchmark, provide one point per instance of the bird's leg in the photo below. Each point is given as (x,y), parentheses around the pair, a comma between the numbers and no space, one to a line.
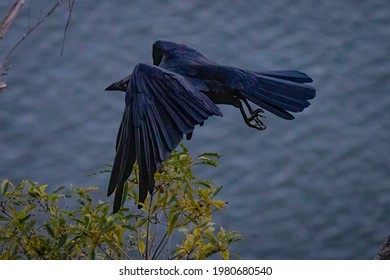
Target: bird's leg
(252,121)
(254,113)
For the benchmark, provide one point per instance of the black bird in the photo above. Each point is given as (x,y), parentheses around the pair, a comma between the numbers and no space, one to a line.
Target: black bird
(181,90)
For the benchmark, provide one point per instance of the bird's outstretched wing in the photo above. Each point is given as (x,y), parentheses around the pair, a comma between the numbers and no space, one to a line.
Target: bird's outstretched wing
(161,106)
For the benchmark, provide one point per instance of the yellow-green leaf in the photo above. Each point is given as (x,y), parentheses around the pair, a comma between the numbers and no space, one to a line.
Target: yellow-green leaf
(172,220)
(225,254)
(141,246)
(42,188)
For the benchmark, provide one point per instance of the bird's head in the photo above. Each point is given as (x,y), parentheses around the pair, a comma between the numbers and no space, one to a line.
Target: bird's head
(120,85)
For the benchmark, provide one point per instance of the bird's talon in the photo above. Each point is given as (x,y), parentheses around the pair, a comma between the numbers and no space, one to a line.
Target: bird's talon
(257,124)
(257,112)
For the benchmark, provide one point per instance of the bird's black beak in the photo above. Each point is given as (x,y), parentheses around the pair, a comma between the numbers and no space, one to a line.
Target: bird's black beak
(120,85)
(114,86)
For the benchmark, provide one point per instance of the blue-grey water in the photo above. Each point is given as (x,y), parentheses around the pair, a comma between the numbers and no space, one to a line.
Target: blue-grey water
(317,187)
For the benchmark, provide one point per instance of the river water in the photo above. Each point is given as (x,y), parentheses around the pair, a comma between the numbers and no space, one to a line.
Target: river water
(317,187)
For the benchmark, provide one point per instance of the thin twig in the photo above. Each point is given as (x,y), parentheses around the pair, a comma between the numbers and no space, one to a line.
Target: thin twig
(157,226)
(104,251)
(148,227)
(29,14)
(139,238)
(71,3)
(122,251)
(161,245)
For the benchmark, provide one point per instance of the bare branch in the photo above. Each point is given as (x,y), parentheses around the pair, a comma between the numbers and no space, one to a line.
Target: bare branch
(7,21)
(5,59)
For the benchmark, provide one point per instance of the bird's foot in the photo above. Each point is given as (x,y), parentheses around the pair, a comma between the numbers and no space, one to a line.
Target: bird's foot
(254,120)
(256,123)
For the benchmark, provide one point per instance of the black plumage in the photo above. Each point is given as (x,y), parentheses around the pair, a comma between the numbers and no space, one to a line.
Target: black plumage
(181,90)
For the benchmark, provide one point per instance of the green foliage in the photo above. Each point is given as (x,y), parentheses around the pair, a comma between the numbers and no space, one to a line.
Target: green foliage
(175,222)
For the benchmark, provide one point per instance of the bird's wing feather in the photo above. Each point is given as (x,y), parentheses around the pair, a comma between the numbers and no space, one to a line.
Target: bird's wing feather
(161,106)
(169,54)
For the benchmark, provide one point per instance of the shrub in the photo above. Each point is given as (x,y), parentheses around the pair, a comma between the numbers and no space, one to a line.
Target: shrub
(175,222)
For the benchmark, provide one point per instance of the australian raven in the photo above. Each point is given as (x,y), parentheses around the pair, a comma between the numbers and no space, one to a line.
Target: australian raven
(166,100)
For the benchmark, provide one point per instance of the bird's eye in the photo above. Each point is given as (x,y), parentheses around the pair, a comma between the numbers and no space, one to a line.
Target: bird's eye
(125,85)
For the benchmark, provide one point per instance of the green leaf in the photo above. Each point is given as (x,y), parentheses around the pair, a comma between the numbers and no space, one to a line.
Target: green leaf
(13,249)
(225,254)
(28,227)
(214,155)
(62,240)
(141,246)
(42,188)
(24,219)
(210,236)
(5,184)
(206,161)
(59,189)
(29,208)
(172,220)
(49,230)
(92,254)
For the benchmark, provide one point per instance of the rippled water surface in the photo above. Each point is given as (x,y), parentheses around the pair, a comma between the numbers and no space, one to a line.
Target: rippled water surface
(317,187)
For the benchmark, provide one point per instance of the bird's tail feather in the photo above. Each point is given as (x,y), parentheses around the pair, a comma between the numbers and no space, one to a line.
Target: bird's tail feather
(278,92)
(289,75)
